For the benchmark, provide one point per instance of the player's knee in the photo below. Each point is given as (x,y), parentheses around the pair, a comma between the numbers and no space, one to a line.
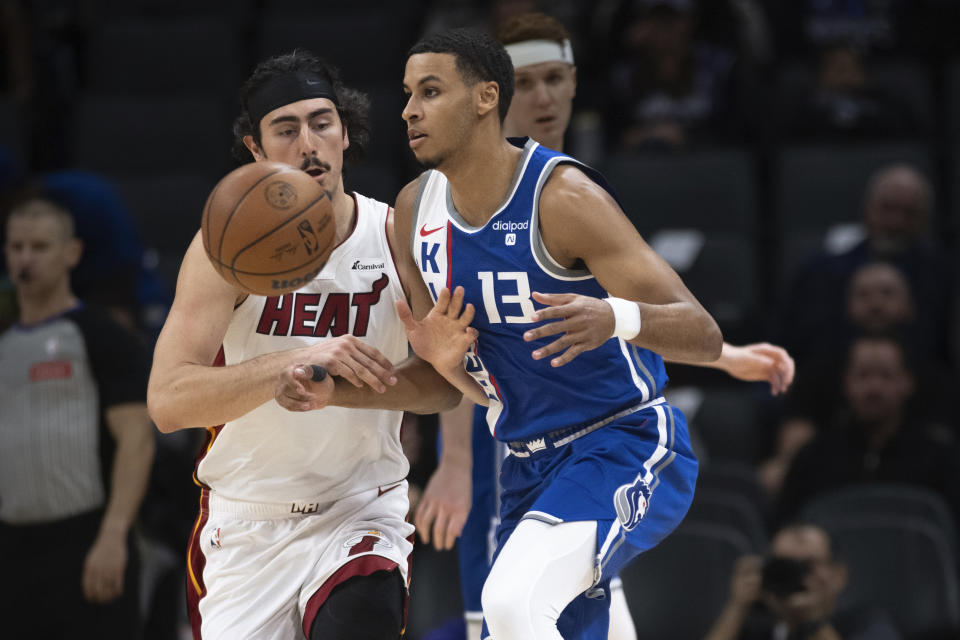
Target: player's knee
(363,608)
(506,605)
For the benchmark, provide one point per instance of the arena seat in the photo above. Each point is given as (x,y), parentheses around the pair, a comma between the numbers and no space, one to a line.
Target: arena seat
(692,565)
(706,190)
(730,509)
(131,134)
(903,565)
(883,499)
(200,56)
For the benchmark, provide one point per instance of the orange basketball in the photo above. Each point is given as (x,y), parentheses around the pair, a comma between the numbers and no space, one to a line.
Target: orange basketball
(268,228)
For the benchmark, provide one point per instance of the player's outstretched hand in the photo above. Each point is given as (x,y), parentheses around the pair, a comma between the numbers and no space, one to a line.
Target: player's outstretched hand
(353,359)
(760,361)
(444,335)
(444,507)
(583,323)
(303,387)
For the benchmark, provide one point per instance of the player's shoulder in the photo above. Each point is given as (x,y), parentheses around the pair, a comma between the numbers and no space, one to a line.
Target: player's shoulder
(570,187)
(198,278)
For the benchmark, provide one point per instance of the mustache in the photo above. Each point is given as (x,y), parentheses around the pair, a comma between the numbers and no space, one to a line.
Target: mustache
(314,162)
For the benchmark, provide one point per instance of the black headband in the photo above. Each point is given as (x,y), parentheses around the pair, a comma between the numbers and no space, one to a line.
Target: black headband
(285,89)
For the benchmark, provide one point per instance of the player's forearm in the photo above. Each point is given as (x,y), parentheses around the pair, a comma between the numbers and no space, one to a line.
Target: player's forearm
(723,363)
(419,389)
(679,332)
(456,428)
(191,395)
(130,474)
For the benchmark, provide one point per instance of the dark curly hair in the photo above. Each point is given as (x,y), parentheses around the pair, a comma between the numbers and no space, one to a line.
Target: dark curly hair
(353,106)
(478,56)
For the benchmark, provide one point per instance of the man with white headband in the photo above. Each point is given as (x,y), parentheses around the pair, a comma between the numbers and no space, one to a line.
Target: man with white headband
(544,87)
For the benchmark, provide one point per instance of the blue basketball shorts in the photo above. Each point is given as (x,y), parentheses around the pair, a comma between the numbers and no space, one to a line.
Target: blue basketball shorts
(634,476)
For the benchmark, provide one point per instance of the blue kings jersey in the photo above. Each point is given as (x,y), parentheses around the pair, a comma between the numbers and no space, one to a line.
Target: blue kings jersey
(499,265)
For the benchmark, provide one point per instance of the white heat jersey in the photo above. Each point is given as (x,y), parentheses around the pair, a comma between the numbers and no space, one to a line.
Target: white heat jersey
(272,455)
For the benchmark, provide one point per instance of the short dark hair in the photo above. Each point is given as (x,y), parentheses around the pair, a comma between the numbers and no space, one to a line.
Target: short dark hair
(479,58)
(890,336)
(353,106)
(23,203)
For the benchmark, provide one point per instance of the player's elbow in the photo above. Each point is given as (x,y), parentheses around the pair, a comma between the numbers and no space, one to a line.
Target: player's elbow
(161,412)
(712,339)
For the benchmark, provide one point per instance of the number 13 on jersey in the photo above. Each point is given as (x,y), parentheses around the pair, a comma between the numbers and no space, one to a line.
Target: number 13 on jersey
(510,289)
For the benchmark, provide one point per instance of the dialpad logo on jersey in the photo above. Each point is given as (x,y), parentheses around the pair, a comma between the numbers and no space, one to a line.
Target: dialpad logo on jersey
(368,264)
(319,315)
(631,502)
(500,225)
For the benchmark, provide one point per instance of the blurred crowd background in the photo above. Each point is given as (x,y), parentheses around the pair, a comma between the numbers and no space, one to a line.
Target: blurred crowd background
(797,162)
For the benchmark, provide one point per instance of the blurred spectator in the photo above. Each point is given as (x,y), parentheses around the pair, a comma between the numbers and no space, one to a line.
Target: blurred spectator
(806,25)
(878,299)
(844,104)
(793,594)
(669,90)
(879,437)
(896,214)
(111,273)
(76,444)
(888,27)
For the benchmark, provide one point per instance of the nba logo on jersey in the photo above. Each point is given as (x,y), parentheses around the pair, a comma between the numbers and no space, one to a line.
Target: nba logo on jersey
(510,239)
(631,501)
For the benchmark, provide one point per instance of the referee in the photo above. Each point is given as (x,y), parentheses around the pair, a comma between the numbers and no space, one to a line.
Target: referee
(76,445)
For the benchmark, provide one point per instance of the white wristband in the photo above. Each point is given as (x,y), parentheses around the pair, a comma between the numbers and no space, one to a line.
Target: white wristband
(626,316)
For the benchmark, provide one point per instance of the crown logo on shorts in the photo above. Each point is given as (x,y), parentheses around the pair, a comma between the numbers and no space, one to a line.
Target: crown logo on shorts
(536,445)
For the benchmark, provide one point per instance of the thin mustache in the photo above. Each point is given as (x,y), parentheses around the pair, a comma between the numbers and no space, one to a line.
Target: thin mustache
(311,162)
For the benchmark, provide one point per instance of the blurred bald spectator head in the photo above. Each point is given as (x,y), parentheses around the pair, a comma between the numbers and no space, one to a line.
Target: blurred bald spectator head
(897,206)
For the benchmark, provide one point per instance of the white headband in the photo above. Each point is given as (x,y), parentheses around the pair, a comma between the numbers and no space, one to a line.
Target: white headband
(537,51)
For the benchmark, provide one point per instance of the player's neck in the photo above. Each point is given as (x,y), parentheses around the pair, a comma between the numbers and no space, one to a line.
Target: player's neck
(344,214)
(482,179)
(555,143)
(38,307)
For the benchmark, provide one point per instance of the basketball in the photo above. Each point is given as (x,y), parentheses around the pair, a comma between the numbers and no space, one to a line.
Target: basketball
(268,228)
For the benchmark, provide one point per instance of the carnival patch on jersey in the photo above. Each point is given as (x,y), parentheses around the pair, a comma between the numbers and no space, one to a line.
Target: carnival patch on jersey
(631,501)
(367,265)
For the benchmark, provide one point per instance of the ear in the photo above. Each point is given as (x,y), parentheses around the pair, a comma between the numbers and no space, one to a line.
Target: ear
(488,98)
(838,576)
(346,136)
(74,252)
(254,148)
(573,76)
